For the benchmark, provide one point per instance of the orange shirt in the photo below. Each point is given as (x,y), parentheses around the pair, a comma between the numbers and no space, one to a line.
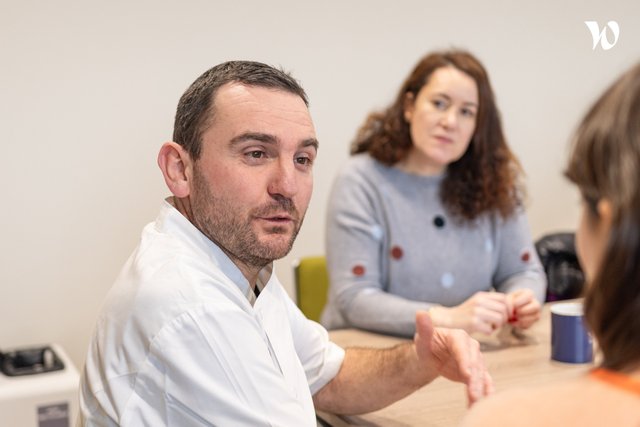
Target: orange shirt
(617,379)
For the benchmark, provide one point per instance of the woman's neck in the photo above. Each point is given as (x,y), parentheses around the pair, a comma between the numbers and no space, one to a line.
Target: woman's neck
(422,167)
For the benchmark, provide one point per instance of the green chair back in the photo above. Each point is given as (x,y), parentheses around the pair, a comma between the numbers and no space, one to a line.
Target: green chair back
(312,285)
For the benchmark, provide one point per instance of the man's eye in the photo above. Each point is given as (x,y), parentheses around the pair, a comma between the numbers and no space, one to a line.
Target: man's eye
(303,160)
(256,154)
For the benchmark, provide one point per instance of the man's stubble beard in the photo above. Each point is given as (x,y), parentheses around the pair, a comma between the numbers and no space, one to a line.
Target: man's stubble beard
(232,232)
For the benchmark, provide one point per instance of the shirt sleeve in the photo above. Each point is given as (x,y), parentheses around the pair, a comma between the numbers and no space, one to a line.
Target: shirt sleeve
(355,244)
(518,263)
(320,357)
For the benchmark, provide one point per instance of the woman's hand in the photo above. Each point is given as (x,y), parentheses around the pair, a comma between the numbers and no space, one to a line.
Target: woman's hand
(524,308)
(484,312)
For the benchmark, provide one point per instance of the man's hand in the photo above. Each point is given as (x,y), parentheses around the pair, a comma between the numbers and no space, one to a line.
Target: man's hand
(454,355)
(370,379)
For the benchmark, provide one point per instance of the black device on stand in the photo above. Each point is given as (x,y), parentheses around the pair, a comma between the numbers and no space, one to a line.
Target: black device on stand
(30,361)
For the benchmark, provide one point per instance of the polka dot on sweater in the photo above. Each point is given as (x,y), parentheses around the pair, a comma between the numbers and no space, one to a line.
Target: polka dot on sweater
(358,270)
(447,280)
(396,252)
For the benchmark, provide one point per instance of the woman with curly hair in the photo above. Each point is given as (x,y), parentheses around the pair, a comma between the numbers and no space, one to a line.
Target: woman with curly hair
(605,166)
(427,214)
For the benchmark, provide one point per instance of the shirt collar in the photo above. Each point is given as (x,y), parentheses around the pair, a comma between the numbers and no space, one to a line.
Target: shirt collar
(171,218)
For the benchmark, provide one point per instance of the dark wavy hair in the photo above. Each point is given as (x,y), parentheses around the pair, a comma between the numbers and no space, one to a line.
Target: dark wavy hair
(605,164)
(195,110)
(487,176)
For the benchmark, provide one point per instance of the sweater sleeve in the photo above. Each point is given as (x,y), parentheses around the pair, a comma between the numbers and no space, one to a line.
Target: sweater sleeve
(518,265)
(356,242)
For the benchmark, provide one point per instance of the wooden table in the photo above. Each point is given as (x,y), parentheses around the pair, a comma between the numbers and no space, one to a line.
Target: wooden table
(513,362)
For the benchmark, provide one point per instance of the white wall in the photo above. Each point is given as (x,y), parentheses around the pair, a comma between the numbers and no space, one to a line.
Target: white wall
(88,91)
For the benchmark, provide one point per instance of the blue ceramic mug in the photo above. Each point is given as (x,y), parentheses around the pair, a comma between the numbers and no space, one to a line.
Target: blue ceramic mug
(570,339)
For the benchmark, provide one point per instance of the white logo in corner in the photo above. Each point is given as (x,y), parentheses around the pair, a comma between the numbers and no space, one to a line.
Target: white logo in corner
(600,36)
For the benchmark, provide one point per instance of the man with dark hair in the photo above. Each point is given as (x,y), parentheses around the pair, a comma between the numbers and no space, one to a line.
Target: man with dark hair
(197,329)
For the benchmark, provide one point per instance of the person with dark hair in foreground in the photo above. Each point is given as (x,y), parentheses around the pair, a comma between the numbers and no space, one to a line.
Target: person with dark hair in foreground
(605,166)
(197,330)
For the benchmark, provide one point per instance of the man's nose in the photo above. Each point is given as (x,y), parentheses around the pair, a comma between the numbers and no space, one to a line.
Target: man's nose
(283,180)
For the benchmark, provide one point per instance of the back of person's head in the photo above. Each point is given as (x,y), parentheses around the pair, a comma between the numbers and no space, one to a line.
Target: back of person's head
(485,178)
(605,165)
(195,110)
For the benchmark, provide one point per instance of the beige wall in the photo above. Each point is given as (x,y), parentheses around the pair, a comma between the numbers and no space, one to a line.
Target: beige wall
(88,92)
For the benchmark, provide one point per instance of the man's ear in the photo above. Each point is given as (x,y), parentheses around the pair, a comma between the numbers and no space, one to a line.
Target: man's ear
(175,164)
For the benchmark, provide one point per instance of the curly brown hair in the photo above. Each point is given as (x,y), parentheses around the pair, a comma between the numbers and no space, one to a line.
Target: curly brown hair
(487,176)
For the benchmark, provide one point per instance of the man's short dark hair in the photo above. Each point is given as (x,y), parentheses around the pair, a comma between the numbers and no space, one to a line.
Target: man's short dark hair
(195,109)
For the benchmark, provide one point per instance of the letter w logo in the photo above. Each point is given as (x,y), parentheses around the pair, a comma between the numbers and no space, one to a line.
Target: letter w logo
(601,36)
